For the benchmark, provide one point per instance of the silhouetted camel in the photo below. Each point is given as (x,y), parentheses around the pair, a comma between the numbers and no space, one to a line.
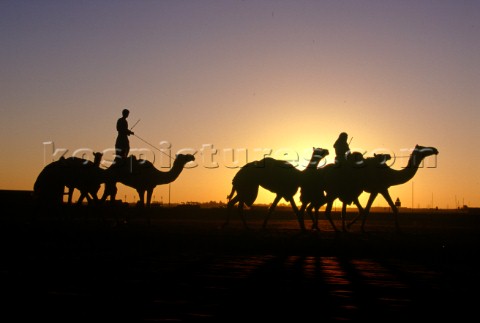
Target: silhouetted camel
(142,176)
(73,173)
(50,184)
(377,180)
(84,176)
(277,176)
(347,181)
(312,192)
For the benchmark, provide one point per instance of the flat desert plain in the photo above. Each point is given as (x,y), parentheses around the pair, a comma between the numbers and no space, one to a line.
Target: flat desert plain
(127,264)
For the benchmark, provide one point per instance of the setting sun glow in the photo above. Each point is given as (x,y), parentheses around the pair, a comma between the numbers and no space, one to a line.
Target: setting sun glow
(232,82)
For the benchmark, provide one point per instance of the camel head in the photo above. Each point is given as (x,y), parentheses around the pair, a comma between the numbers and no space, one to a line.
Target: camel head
(421,152)
(317,156)
(320,152)
(184,158)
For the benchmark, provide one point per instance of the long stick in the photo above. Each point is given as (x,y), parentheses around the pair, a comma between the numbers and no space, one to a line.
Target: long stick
(135,124)
(154,146)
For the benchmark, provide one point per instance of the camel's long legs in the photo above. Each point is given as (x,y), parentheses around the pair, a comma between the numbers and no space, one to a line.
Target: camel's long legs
(363,212)
(270,210)
(387,197)
(344,215)
(371,198)
(328,211)
(110,190)
(240,213)
(141,197)
(309,211)
(149,197)
(297,213)
(230,205)
(312,217)
(317,209)
(70,195)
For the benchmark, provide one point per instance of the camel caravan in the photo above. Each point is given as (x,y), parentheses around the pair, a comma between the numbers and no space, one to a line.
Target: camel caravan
(349,176)
(344,180)
(87,177)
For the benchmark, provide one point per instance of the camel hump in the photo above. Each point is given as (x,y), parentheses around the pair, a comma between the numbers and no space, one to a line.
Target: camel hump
(77,162)
(380,159)
(355,159)
(144,163)
(272,162)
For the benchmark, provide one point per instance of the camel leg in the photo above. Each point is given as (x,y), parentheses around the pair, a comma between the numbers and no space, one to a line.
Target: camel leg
(104,196)
(387,197)
(302,209)
(309,211)
(229,197)
(149,197)
(317,207)
(94,198)
(240,213)
(230,205)
(70,195)
(314,218)
(89,198)
(271,209)
(82,197)
(360,212)
(343,216)
(371,198)
(354,219)
(141,197)
(297,213)
(328,211)
(317,212)
(110,190)
(149,203)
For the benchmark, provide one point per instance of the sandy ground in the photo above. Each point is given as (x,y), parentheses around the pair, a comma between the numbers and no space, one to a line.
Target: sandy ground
(125,264)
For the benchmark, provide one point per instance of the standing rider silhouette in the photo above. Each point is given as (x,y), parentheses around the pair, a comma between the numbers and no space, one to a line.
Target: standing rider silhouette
(122,144)
(341,148)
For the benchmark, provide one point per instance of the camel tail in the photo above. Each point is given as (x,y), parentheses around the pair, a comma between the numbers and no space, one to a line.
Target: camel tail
(229,197)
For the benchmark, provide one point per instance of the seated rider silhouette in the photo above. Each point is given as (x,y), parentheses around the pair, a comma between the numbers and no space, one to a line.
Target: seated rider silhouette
(342,148)
(122,144)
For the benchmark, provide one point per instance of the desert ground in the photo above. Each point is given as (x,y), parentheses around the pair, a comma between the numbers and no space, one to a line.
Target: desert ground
(128,264)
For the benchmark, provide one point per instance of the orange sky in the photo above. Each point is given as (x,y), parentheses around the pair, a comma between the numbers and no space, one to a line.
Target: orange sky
(279,75)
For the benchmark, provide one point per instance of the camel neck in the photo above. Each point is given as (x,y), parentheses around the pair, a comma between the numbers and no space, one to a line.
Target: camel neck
(314,161)
(406,174)
(173,173)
